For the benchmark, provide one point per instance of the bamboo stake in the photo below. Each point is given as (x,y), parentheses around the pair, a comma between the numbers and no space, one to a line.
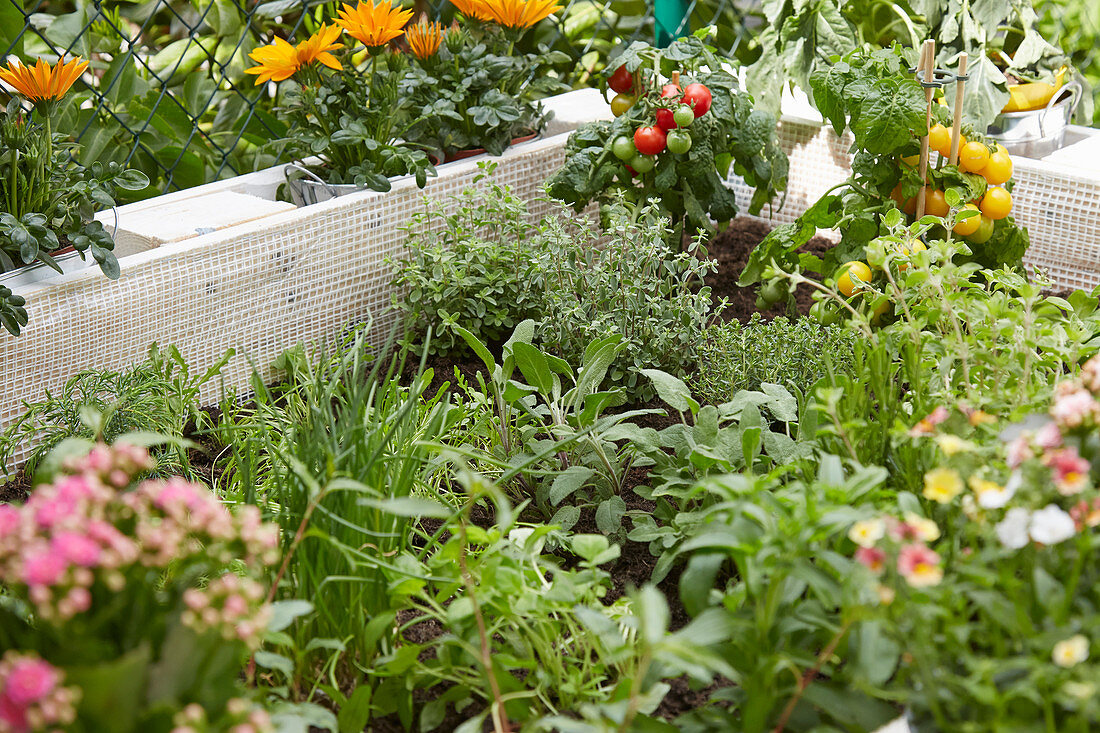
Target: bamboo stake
(927,65)
(956,129)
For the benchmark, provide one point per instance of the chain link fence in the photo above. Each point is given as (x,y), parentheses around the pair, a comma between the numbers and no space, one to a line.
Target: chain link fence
(167,94)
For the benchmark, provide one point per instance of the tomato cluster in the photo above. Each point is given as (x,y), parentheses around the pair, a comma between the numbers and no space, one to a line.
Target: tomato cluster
(992,163)
(678,109)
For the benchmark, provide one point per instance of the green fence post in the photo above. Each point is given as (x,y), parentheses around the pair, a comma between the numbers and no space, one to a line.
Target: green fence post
(671,18)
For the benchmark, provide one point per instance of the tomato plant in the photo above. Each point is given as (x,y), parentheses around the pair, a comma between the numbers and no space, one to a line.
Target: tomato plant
(684,173)
(874,94)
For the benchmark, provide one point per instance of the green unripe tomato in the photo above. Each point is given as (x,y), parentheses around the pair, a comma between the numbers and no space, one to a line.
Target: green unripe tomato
(620,103)
(985,231)
(684,116)
(679,142)
(643,163)
(773,291)
(623,148)
(824,314)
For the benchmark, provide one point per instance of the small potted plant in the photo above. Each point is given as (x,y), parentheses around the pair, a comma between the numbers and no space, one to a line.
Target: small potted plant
(46,199)
(346,111)
(474,90)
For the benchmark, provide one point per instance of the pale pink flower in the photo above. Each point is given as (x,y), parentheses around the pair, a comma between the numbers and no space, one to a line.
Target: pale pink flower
(1070,470)
(1019,450)
(919,565)
(1090,375)
(928,423)
(1073,406)
(872,557)
(1048,436)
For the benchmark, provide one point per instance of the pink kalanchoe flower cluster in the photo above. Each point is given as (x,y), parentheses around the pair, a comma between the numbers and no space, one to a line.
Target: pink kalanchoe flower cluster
(31,695)
(241,717)
(82,536)
(232,606)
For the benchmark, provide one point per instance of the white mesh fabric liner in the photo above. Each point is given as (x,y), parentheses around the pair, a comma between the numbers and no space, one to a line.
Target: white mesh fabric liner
(260,288)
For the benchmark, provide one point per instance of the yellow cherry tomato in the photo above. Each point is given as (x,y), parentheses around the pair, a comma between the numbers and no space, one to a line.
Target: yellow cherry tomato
(848,274)
(999,169)
(935,203)
(939,139)
(913,247)
(911,160)
(997,203)
(973,157)
(966,227)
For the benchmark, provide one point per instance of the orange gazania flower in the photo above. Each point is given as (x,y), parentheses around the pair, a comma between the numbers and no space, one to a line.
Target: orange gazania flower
(276,61)
(520,13)
(374,25)
(473,9)
(41,82)
(316,48)
(424,38)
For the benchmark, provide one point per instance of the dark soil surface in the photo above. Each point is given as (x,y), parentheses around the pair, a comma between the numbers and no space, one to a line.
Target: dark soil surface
(731,249)
(17,490)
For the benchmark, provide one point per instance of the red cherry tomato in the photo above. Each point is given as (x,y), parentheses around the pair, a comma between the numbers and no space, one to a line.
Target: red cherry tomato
(698,98)
(621,80)
(665,119)
(650,140)
(668,91)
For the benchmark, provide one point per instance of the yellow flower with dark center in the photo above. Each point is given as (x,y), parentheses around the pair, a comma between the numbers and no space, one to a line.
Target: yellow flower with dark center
(275,62)
(374,25)
(316,48)
(473,9)
(520,13)
(424,38)
(42,82)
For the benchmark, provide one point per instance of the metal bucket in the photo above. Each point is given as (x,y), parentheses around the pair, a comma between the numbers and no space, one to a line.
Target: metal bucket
(307,187)
(1039,132)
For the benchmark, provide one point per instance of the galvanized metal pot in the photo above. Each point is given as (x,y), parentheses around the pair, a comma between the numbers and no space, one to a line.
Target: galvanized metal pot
(1039,132)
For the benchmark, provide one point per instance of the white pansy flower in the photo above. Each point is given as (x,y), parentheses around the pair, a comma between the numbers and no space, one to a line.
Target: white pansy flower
(1012,530)
(1051,525)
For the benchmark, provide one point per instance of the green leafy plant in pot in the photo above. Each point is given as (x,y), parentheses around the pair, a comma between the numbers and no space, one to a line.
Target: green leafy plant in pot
(347,111)
(474,91)
(47,200)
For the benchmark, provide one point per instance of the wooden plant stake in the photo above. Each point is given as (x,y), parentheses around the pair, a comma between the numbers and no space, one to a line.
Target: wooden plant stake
(956,129)
(927,65)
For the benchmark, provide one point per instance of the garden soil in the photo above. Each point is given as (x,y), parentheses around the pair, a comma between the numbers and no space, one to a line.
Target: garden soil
(731,249)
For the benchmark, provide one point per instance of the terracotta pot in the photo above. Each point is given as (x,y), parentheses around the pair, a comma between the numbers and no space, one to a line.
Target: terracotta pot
(463,154)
